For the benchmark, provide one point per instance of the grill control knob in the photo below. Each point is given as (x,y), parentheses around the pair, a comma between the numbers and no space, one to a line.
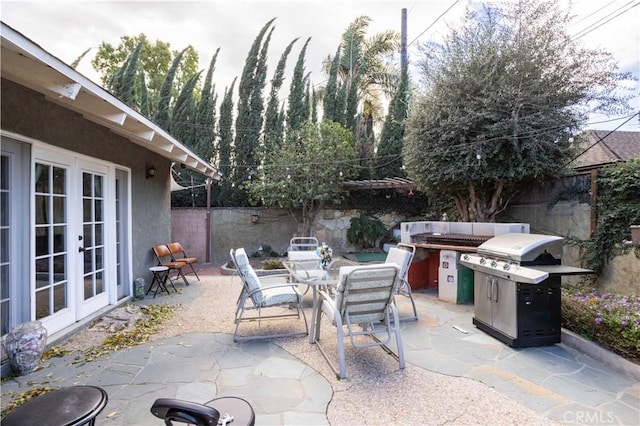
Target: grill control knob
(483,260)
(507,266)
(465,257)
(494,263)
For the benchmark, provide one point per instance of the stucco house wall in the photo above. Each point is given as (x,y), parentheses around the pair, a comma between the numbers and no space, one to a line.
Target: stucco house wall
(28,113)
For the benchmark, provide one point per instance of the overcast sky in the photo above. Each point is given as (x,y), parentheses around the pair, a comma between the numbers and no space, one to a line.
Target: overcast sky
(67,28)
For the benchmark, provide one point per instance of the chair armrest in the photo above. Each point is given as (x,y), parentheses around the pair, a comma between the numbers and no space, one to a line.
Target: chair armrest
(271,280)
(184,411)
(279,285)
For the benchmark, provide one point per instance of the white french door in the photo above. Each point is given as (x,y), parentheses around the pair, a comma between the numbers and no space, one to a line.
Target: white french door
(92,253)
(73,222)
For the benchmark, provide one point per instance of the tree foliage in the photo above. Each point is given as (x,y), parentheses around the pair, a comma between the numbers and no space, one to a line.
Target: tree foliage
(307,172)
(153,60)
(366,76)
(504,93)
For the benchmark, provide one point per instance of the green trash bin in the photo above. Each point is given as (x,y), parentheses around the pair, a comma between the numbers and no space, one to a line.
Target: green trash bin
(455,281)
(465,285)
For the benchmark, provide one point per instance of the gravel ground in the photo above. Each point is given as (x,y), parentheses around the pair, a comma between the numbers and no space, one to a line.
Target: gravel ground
(376,392)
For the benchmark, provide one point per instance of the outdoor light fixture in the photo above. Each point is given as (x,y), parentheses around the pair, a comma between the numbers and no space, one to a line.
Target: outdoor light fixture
(151,171)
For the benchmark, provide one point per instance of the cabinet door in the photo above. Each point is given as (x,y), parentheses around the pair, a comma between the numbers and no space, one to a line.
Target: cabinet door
(482,297)
(504,306)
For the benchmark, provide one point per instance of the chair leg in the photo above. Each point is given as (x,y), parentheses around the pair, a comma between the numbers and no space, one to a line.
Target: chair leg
(404,289)
(194,271)
(396,325)
(167,277)
(184,278)
(343,366)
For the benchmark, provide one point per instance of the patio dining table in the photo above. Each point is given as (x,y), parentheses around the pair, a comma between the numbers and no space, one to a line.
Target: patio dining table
(315,279)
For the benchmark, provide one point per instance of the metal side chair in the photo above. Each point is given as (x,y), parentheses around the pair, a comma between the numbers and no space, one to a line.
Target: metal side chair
(163,255)
(402,255)
(179,255)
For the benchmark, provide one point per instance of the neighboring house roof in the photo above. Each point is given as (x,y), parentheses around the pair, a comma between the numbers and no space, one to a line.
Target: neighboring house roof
(602,147)
(27,64)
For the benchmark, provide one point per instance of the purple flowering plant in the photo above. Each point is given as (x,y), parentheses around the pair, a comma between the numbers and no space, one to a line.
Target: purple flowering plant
(611,320)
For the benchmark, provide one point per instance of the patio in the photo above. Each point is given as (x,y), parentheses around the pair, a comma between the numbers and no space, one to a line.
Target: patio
(455,373)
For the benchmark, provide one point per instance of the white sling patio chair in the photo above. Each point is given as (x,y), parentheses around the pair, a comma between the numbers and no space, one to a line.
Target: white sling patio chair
(364,297)
(274,293)
(304,259)
(402,255)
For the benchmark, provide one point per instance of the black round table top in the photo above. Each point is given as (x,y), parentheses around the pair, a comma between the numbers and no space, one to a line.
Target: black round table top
(240,409)
(75,405)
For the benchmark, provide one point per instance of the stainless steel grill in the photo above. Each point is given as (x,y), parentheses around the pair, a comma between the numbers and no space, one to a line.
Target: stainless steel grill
(517,287)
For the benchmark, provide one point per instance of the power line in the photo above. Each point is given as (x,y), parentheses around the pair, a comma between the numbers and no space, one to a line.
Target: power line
(594,12)
(599,23)
(601,139)
(434,22)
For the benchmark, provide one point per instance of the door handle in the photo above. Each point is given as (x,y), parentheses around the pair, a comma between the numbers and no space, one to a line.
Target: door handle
(81,249)
(495,292)
(489,283)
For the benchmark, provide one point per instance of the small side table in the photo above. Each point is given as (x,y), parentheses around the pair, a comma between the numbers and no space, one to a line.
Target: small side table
(72,406)
(160,277)
(240,409)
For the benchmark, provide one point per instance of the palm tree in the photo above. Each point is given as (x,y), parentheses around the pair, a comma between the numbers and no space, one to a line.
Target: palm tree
(364,61)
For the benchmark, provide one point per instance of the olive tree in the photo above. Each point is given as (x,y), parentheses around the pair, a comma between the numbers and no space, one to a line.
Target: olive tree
(307,172)
(501,99)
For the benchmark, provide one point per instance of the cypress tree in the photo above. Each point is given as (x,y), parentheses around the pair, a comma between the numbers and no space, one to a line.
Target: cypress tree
(129,75)
(314,106)
(341,104)
(183,113)
(144,95)
(205,117)
(389,154)
(296,114)
(273,132)
(351,107)
(244,147)
(164,103)
(225,139)
(257,101)
(329,104)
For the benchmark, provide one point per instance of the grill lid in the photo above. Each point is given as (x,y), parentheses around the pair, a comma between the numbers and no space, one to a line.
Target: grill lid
(521,247)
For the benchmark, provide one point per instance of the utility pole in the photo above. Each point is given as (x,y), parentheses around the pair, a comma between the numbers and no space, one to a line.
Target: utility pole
(403,41)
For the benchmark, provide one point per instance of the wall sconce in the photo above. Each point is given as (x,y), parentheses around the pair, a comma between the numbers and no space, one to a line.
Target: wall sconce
(151,171)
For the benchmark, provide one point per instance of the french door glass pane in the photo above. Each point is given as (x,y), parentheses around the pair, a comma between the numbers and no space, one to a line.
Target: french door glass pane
(51,201)
(42,178)
(93,230)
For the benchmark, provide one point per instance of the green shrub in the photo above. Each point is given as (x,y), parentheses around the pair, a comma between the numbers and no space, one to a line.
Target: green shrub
(365,231)
(272,264)
(618,208)
(612,321)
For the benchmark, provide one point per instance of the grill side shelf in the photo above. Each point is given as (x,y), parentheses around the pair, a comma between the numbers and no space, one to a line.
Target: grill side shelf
(563,270)
(518,273)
